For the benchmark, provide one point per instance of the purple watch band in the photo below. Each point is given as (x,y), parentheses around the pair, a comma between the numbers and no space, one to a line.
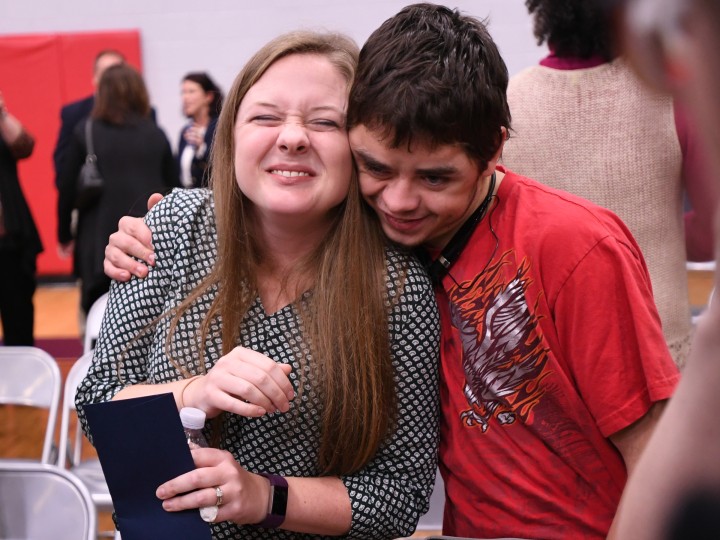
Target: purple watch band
(278,505)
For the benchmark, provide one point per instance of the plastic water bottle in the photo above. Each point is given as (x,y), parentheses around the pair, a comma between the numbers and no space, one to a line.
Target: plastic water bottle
(193,421)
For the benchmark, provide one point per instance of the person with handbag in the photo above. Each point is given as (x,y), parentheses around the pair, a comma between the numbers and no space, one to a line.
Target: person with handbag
(123,156)
(76,112)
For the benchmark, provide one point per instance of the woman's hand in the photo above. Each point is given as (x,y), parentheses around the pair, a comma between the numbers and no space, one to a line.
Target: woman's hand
(243,382)
(244,495)
(194,135)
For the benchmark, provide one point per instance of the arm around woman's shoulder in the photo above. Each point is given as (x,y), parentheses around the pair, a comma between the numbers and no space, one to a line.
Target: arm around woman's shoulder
(129,349)
(391,493)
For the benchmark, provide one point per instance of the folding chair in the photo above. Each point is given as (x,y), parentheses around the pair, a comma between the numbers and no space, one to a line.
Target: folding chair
(30,376)
(88,471)
(40,501)
(93,322)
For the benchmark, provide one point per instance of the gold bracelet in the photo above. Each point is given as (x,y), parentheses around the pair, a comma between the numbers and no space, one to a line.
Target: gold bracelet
(182,390)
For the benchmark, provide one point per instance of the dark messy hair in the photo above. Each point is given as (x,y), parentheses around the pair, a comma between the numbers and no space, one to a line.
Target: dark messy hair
(577,28)
(208,85)
(432,75)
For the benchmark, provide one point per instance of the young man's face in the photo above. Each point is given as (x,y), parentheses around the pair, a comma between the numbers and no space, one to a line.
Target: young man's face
(421,194)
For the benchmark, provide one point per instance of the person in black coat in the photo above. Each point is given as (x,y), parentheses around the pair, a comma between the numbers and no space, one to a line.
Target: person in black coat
(135,160)
(73,113)
(19,239)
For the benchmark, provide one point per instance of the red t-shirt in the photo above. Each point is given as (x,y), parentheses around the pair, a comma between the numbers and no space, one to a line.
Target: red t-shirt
(551,343)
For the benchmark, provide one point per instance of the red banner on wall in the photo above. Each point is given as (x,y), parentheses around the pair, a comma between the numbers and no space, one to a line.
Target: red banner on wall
(40,73)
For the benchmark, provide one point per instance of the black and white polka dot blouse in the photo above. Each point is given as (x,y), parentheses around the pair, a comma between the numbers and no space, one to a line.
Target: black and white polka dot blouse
(392,491)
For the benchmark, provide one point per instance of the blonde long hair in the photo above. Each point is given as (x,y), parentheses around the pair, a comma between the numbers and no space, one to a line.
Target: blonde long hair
(346,320)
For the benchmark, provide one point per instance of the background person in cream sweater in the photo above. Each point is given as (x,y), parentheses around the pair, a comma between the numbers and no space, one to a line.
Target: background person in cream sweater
(584,123)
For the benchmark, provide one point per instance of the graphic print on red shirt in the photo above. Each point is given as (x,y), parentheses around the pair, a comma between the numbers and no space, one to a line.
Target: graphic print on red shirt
(503,356)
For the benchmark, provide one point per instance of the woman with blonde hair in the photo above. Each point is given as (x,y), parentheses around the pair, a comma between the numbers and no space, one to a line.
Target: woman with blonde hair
(280,310)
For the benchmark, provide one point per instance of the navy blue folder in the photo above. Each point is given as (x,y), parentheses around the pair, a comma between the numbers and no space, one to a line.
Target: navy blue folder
(141,444)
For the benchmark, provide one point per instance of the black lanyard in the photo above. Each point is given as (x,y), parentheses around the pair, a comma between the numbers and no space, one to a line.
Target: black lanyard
(439,268)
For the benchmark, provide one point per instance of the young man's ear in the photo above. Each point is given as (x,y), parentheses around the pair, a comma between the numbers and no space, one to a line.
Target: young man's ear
(492,163)
(503,137)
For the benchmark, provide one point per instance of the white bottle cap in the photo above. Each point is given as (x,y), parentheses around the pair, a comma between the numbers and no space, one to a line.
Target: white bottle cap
(192,418)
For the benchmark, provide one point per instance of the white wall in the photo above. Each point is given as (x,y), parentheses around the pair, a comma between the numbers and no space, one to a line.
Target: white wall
(218,36)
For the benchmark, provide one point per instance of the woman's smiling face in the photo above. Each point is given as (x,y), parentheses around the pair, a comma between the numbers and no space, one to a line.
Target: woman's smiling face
(292,156)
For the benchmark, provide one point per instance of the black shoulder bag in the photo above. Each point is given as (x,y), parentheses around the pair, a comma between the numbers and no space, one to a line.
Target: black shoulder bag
(90,183)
